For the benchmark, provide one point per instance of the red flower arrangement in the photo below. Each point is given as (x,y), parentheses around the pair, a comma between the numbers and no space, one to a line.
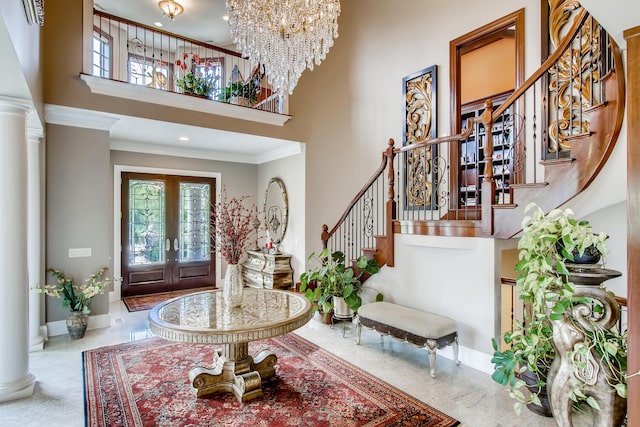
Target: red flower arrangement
(231,227)
(196,80)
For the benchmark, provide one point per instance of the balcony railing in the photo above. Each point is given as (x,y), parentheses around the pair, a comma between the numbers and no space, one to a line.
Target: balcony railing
(134,53)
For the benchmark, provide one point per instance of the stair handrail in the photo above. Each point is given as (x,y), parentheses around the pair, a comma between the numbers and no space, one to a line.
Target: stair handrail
(545,66)
(326,235)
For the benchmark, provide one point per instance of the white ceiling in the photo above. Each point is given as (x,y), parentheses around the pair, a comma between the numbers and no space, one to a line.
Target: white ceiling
(201,20)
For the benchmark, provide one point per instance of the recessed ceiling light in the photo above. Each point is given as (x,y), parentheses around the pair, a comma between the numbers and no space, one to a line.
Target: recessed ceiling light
(158,24)
(183,139)
(225,17)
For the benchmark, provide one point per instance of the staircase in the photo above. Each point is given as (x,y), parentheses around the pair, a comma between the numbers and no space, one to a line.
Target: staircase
(559,129)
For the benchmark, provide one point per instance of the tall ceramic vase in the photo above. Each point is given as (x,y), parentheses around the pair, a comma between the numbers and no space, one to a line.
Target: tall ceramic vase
(233,286)
(77,324)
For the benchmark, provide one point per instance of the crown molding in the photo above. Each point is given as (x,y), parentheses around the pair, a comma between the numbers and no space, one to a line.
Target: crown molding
(77,117)
(194,153)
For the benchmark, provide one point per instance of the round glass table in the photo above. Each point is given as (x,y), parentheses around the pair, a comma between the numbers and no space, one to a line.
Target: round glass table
(204,318)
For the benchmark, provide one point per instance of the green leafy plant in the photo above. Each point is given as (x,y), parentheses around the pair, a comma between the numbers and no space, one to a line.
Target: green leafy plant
(76,297)
(241,89)
(547,244)
(197,79)
(332,278)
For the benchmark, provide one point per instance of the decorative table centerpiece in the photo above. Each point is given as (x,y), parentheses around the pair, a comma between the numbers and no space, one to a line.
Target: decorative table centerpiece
(76,297)
(230,231)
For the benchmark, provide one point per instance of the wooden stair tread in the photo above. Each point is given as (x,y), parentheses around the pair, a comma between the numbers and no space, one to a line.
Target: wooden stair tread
(530,185)
(552,162)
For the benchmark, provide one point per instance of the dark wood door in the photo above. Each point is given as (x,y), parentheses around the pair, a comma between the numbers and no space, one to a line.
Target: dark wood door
(165,233)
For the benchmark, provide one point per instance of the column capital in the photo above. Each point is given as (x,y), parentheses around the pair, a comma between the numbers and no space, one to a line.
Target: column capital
(8,103)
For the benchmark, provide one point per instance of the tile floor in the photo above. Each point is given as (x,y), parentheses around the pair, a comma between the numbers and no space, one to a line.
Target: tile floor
(464,393)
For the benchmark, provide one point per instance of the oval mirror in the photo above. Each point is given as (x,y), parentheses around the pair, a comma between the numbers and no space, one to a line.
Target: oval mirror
(276,210)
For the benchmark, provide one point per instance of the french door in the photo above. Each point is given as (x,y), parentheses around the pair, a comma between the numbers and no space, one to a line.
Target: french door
(165,233)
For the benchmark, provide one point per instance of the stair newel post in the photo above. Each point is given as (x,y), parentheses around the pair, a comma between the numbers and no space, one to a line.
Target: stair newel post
(325,236)
(391,203)
(488,183)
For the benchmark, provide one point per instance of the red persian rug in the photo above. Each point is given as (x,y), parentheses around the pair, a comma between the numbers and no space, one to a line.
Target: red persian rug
(147,302)
(145,383)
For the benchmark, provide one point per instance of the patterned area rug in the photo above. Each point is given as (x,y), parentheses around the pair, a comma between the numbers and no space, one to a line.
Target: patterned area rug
(145,383)
(147,302)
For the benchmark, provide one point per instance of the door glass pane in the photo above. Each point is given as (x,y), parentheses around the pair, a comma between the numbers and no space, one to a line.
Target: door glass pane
(146,221)
(195,211)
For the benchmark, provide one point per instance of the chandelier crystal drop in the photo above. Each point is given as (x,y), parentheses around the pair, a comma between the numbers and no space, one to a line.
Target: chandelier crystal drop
(284,36)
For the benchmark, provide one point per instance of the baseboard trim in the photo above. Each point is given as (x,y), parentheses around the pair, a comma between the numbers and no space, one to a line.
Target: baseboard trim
(469,357)
(59,327)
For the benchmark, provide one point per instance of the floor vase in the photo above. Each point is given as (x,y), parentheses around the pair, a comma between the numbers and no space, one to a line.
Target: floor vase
(233,286)
(77,324)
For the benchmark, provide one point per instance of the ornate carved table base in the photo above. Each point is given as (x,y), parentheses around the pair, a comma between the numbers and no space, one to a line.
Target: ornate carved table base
(204,318)
(235,372)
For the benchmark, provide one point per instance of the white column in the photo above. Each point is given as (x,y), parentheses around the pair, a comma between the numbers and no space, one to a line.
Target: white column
(15,380)
(34,262)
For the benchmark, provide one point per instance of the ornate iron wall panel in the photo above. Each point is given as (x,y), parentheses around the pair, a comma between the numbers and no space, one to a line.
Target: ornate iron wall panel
(420,175)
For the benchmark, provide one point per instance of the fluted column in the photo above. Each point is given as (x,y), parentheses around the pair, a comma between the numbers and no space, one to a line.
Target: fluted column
(15,380)
(34,244)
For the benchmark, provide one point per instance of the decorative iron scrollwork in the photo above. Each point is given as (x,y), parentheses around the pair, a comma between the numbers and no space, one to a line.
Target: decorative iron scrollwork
(419,91)
(574,79)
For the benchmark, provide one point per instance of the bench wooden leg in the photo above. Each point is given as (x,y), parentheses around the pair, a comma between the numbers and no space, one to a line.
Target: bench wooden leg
(432,345)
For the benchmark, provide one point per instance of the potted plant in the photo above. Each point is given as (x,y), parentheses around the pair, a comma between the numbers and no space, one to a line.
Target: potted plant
(197,79)
(547,246)
(76,297)
(331,281)
(241,92)
(231,235)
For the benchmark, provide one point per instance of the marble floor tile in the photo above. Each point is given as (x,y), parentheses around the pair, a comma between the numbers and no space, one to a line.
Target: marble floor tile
(461,392)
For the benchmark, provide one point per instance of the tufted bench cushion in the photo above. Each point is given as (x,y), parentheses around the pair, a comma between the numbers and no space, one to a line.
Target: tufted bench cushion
(408,324)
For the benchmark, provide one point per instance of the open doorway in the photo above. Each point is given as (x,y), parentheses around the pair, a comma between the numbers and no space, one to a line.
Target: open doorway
(487,63)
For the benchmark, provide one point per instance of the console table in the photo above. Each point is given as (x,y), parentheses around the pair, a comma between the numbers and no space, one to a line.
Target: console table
(265,270)
(203,318)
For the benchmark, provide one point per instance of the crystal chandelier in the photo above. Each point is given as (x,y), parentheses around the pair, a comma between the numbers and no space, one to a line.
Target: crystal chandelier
(285,36)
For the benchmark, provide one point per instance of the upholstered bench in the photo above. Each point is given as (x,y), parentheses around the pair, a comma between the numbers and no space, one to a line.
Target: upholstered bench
(415,326)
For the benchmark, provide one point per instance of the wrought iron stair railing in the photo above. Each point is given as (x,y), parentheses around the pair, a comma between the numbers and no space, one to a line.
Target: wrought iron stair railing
(555,133)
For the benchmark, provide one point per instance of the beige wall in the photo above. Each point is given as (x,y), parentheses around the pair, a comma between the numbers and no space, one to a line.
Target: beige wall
(488,70)
(352,103)
(78,207)
(292,172)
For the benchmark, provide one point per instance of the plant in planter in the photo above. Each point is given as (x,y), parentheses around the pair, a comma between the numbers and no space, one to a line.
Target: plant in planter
(195,75)
(548,244)
(240,89)
(76,297)
(333,279)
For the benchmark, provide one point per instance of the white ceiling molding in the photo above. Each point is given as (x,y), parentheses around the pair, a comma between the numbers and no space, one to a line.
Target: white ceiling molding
(160,97)
(135,134)
(281,153)
(193,153)
(77,117)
